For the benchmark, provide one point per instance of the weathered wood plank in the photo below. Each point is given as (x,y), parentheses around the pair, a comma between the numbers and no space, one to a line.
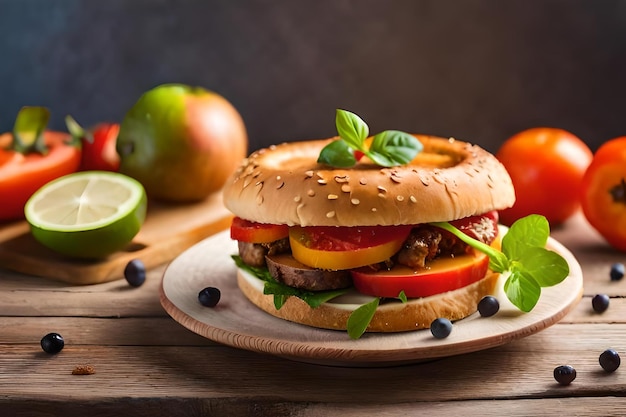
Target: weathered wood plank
(22,295)
(522,369)
(258,407)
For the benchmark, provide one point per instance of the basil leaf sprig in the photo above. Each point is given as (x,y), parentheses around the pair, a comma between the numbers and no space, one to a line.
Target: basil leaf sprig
(530,265)
(389,148)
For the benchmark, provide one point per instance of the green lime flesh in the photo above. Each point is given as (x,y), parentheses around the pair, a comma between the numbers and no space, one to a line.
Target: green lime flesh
(87,215)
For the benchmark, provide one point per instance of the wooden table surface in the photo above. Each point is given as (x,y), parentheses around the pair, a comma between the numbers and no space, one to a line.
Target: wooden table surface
(148,364)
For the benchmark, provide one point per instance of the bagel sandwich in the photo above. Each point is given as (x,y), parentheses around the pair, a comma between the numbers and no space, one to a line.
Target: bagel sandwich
(317,242)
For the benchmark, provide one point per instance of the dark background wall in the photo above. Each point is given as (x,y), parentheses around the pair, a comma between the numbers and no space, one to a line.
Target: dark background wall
(479,70)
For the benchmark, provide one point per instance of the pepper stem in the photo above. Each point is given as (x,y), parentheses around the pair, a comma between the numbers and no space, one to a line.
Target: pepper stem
(77,132)
(28,130)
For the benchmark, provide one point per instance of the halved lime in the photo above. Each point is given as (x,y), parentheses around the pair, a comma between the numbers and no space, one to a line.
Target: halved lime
(88,214)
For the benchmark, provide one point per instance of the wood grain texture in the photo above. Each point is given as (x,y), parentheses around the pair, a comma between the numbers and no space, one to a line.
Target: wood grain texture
(148,364)
(167,231)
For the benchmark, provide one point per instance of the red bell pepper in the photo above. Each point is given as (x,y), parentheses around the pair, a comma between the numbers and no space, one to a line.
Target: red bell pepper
(30,157)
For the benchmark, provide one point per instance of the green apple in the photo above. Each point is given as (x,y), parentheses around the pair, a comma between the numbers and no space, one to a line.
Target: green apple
(181,142)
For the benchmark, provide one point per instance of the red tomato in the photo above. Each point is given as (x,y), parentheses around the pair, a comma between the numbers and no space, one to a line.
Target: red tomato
(23,174)
(442,275)
(337,248)
(483,227)
(546,166)
(603,192)
(100,153)
(252,232)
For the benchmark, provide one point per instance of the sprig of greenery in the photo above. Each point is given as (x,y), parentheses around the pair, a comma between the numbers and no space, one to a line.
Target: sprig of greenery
(530,265)
(524,256)
(388,148)
(281,291)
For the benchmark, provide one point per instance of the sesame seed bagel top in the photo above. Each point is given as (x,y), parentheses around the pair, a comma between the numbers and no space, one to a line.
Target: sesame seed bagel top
(448,180)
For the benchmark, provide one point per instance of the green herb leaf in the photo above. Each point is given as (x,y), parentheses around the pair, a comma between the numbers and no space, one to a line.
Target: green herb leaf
(259,272)
(389,148)
(279,301)
(281,291)
(530,264)
(351,128)
(361,318)
(402,297)
(530,231)
(548,268)
(522,290)
(338,154)
(392,148)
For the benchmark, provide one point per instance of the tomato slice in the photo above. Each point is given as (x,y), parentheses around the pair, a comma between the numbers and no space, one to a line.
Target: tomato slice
(335,248)
(483,227)
(442,275)
(253,232)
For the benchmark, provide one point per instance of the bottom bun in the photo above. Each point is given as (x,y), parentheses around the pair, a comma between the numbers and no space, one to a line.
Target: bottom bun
(392,316)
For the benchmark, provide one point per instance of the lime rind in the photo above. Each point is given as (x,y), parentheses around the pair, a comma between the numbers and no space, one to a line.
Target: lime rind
(87,215)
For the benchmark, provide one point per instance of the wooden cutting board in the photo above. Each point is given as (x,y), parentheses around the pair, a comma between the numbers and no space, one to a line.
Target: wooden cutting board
(167,231)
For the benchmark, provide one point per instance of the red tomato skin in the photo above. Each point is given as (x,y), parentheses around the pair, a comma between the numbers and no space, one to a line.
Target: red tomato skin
(100,154)
(334,239)
(604,210)
(421,283)
(252,232)
(22,175)
(546,166)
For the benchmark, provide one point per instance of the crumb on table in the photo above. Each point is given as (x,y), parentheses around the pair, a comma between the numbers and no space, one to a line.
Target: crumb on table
(83,370)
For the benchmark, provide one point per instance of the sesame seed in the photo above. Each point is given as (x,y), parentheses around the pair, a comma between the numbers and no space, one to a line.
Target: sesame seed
(309,174)
(310,193)
(374,209)
(259,200)
(355,201)
(382,189)
(330,214)
(346,188)
(333,196)
(322,182)
(279,186)
(341,178)
(297,199)
(363,181)
(277,177)
(400,198)
(413,199)
(381,195)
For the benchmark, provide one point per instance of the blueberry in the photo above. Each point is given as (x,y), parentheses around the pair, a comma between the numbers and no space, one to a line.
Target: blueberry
(209,296)
(564,374)
(441,328)
(52,343)
(600,303)
(609,360)
(617,271)
(488,306)
(135,273)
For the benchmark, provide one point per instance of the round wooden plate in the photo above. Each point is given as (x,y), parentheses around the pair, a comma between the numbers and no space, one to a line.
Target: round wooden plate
(238,323)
